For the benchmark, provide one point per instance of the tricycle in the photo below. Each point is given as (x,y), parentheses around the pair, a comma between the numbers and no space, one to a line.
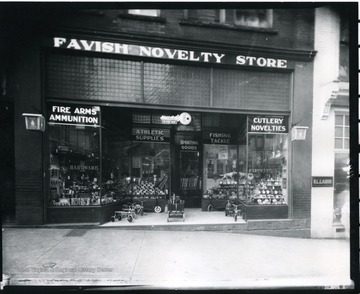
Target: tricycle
(231,209)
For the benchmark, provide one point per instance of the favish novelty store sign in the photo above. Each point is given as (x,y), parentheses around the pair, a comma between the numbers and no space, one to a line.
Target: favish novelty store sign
(168,53)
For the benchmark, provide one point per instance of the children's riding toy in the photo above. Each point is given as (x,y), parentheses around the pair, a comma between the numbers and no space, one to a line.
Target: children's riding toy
(138,208)
(176,209)
(128,211)
(232,209)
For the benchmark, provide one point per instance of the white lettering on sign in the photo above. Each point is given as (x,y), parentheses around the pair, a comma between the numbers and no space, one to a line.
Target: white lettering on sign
(167,53)
(86,45)
(267,124)
(266,120)
(155,135)
(188,142)
(268,128)
(179,54)
(220,138)
(261,61)
(322,181)
(82,115)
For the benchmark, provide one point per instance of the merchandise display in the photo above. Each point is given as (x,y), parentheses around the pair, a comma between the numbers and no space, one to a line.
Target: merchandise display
(226,189)
(74,167)
(78,193)
(265,191)
(261,182)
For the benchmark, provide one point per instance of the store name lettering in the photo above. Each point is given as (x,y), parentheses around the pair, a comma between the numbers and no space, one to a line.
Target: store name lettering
(267,124)
(220,138)
(79,115)
(149,135)
(261,61)
(83,167)
(167,53)
(188,142)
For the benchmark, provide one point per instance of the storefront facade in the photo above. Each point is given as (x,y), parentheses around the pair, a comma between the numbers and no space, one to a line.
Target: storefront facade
(102,156)
(140,119)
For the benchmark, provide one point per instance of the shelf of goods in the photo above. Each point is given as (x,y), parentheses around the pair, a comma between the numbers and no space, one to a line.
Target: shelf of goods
(265,201)
(79,195)
(218,197)
(139,191)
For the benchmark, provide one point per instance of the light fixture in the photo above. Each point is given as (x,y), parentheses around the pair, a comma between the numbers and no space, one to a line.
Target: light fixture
(34,122)
(298,133)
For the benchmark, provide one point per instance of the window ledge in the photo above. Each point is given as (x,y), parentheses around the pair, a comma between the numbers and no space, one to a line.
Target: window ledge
(142,17)
(226,26)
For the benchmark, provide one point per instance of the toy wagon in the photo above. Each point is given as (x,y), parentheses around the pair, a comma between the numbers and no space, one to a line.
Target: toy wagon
(176,210)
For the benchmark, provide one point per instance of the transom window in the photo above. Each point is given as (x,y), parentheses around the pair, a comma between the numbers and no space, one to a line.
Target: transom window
(145,12)
(341,131)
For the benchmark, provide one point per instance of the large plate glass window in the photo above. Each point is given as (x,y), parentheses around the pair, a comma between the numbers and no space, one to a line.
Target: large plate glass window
(116,155)
(74,155)
(150,170)
(265,182)
(150,162)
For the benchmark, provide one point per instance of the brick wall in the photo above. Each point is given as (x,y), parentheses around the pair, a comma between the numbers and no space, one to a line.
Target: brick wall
(28,144)
(292,28)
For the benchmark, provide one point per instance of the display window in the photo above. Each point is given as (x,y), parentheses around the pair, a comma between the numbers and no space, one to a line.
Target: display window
(74,165)
(150,170)
(266,180)
(221,163)
(127,155)
(116,155)
(116,169)
(220,172)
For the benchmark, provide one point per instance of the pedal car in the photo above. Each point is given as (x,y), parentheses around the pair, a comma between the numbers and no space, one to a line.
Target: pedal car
(127,211)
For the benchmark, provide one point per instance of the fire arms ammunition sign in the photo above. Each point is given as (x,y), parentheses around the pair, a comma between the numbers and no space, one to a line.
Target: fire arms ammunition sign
(74,115)
(267,124)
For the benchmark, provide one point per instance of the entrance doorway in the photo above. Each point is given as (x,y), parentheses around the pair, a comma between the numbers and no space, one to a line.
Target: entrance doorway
(188,171)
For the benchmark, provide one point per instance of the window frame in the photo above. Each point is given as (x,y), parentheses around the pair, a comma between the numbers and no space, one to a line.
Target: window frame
(343,126)
(228,16)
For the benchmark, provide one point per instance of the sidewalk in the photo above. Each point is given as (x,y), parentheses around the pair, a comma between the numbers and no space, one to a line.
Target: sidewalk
(171,259)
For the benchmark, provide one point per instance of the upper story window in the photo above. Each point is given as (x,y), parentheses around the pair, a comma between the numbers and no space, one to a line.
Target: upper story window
(254,18)
(145,12)
(342,131)
(344,50)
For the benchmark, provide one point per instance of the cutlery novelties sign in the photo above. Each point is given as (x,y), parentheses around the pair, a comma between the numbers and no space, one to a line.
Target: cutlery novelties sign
(267,124)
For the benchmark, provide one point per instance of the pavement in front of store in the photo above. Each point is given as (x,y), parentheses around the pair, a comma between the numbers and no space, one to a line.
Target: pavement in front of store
(171,259)
(192,216)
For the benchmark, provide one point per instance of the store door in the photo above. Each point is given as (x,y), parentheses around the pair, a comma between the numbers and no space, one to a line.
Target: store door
(188,170)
